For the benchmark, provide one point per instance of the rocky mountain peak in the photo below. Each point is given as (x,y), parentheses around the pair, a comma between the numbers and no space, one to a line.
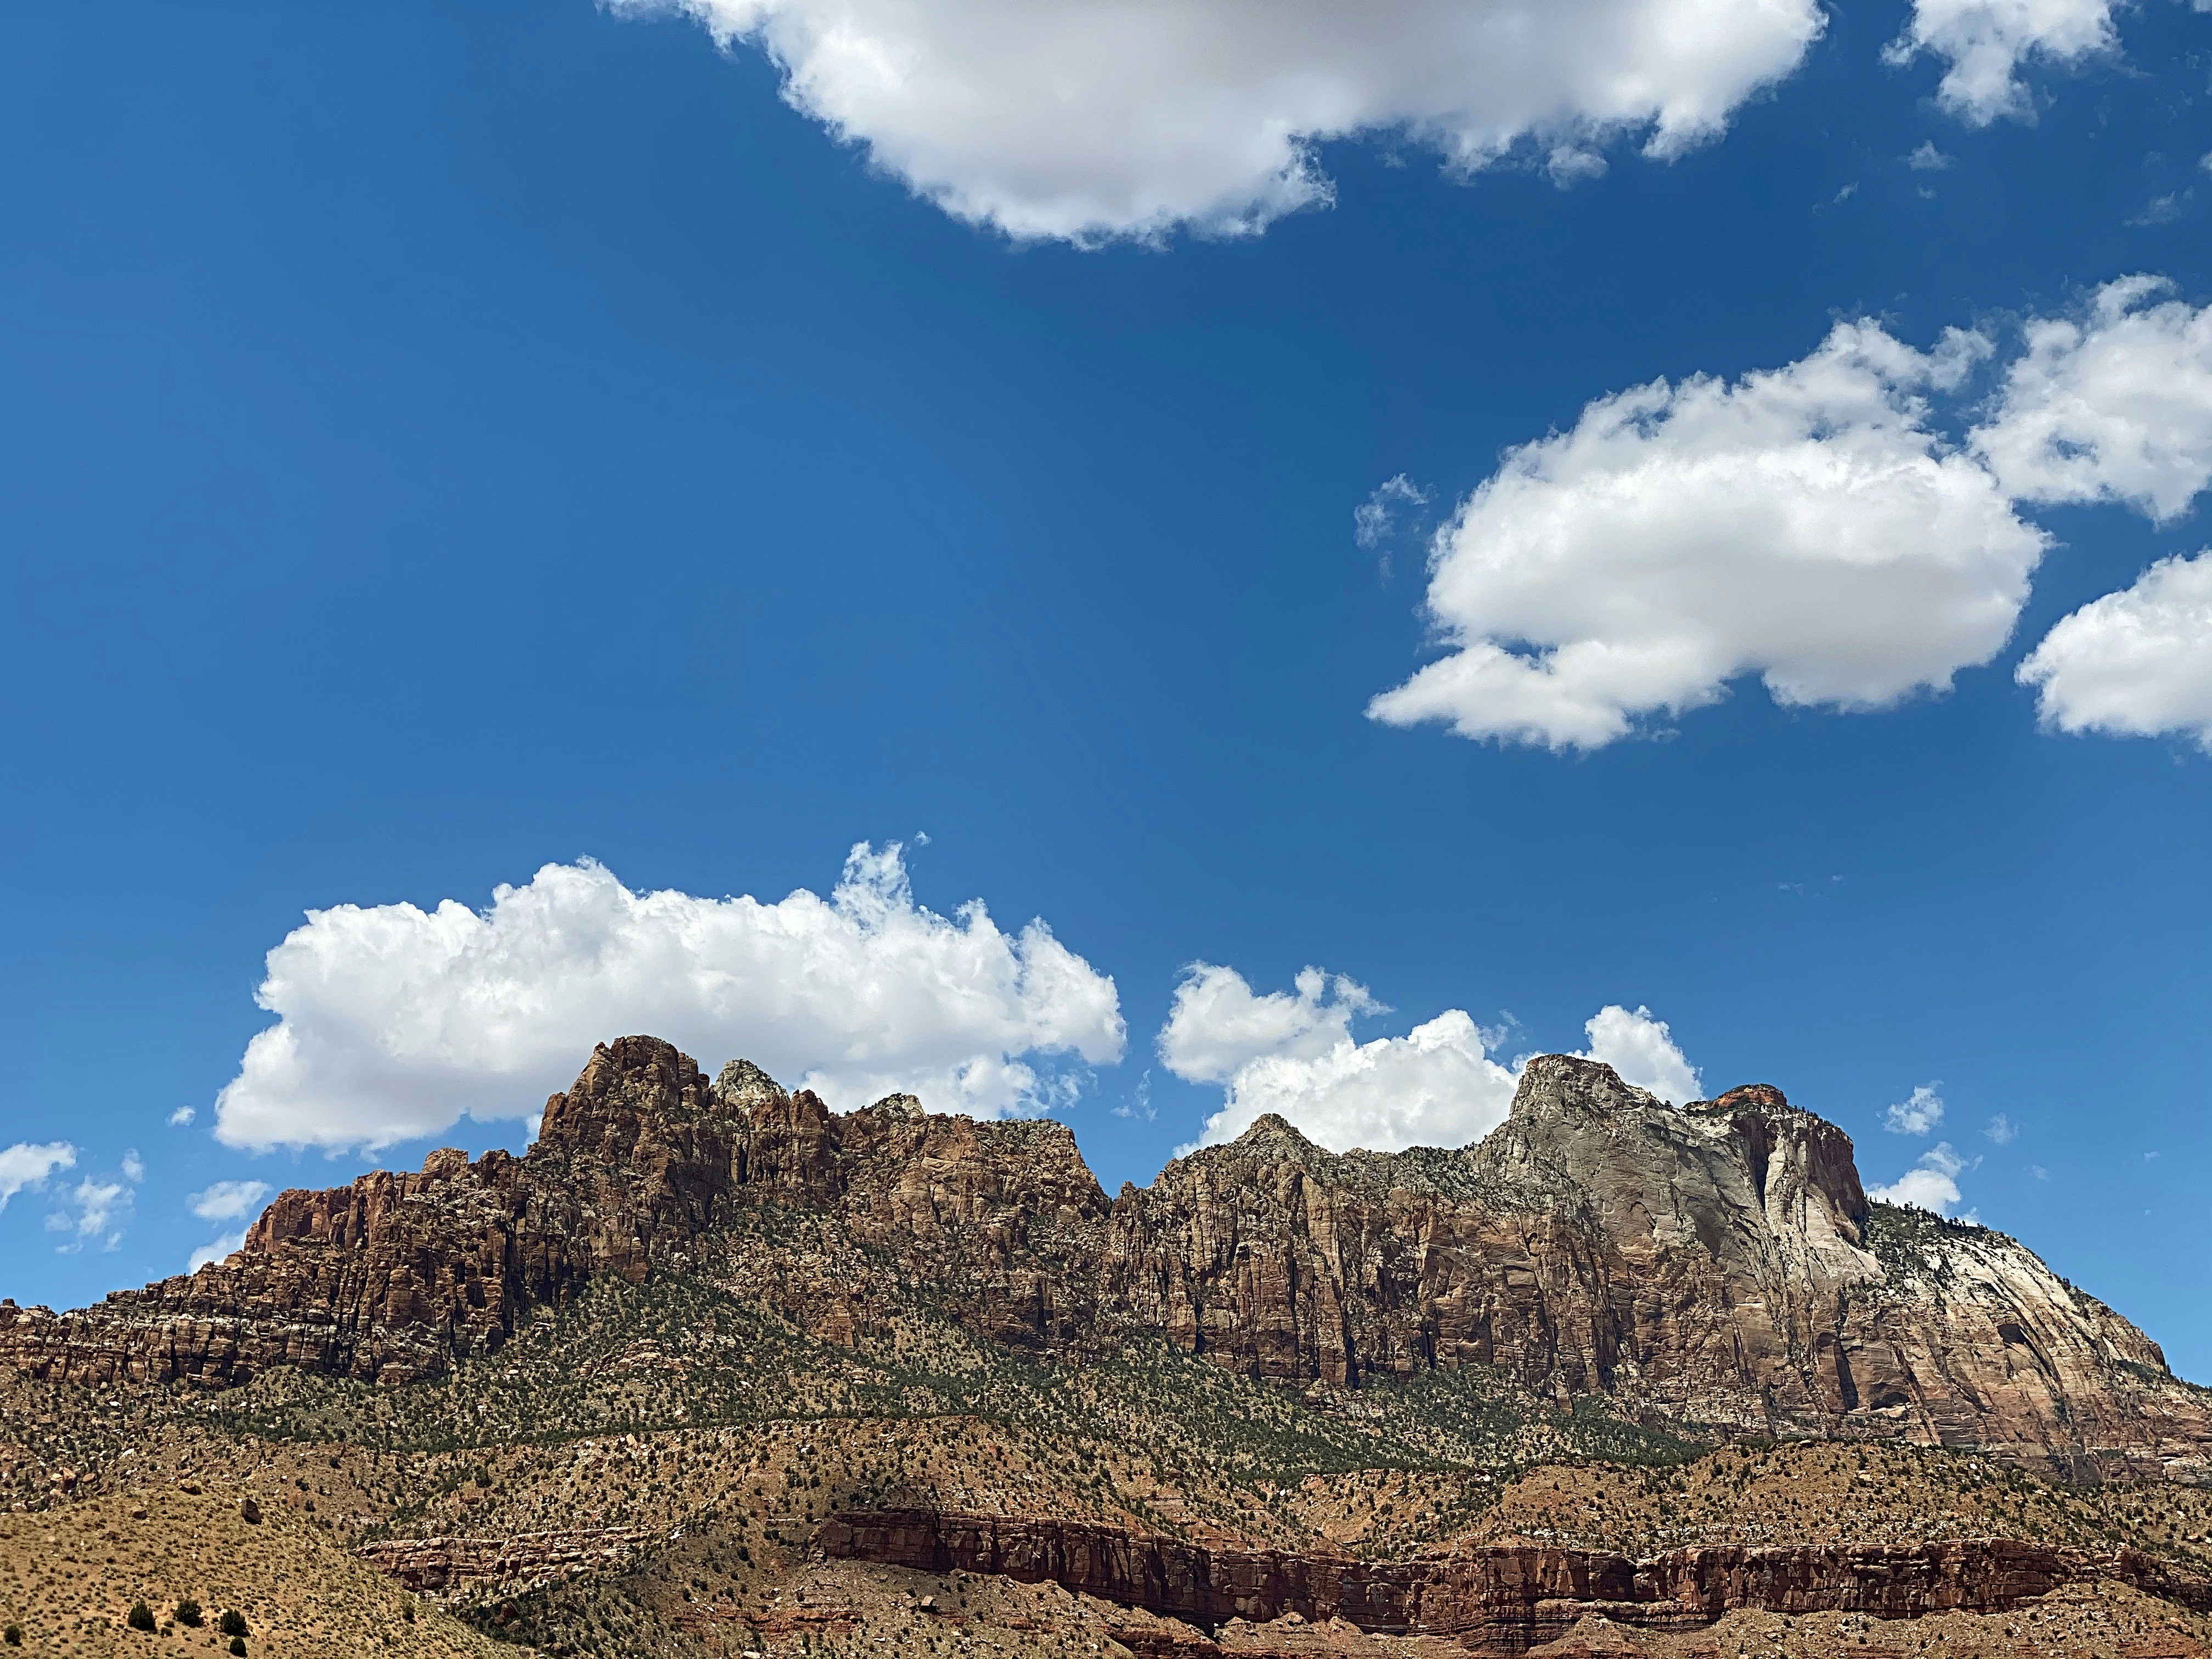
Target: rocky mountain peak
(743,1087)
(1717,1266)
(1275,1138)
(626,1085)
(1764,1097)
(445,1164)
(1570,1088)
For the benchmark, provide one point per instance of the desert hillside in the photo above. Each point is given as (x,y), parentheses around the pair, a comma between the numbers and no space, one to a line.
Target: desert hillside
(713,1370)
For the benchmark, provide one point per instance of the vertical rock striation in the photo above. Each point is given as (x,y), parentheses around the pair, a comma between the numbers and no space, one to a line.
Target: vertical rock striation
(1718,1264)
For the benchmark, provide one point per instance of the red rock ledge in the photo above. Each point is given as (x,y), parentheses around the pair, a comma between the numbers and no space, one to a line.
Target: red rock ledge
(1504,1599)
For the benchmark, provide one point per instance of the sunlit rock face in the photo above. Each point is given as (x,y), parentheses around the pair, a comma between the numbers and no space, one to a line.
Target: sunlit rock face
(1498,1599)
(1718,1264)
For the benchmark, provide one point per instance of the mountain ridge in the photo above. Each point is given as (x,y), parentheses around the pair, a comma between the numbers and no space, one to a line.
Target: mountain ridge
(1717,1265)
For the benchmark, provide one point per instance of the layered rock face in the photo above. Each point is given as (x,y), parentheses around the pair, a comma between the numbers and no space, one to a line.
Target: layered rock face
(1718,1264)
(441,1566)
(635,1166)
(1504,1599)
(1598,1242)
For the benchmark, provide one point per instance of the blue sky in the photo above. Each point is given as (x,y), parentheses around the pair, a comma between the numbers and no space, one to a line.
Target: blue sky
(442,442)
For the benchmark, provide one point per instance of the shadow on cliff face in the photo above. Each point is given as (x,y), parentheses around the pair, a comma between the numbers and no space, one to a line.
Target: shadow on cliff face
(1716,1269)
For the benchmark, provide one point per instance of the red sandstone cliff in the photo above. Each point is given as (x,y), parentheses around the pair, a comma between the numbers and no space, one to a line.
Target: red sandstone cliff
(1503,1598)
(1718,1263)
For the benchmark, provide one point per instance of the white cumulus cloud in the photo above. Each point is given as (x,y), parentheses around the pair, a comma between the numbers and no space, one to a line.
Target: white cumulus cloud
(1931,1184)
(27,1164)
(1806,525)
(1216,1024)
(2112,405)
(2137,663)
(1641,1049)
(182,1117)
(394,1021)
(229,1201)
(1987,42)
(1435,1086)
(1917,1114)
(1089,120)
(1815,526)
(1292,1052)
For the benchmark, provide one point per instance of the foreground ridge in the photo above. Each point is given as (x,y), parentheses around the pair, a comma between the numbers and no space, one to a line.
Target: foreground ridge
(1498,1599)
(1717,1266)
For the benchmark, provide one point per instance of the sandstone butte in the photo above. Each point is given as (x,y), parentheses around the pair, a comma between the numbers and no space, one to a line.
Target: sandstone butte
(1717,1265)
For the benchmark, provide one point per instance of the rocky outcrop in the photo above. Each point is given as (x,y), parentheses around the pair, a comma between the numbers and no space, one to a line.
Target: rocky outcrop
(1718,1264)
(1599,1242)
(446,1566)
(391,1277)
(1504,1599)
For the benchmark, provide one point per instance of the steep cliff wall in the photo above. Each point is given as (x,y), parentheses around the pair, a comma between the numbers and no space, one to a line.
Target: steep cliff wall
(1504,1599)
(1718,1264)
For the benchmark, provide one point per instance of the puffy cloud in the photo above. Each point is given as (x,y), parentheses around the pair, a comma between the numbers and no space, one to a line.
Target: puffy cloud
(229,1200)
(2113,405)
(1917,1114)
(1931,1184)
(27,1164)
(1642,1050)
(1806,525)
(2003,1130)
(181,1117)
(394,1021)
(1435,1086)
(1986,42)
(1087,122)
(1813,525)
(102,1211)
(2137,663)
(1928,158)
(1215,1025)
(134,1167)
(1292,1052)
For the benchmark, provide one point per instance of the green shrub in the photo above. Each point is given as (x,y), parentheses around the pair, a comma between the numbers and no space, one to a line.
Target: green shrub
(141,1616)
(12,1636)
(189,1614)
(232,1625)
(238,1646)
